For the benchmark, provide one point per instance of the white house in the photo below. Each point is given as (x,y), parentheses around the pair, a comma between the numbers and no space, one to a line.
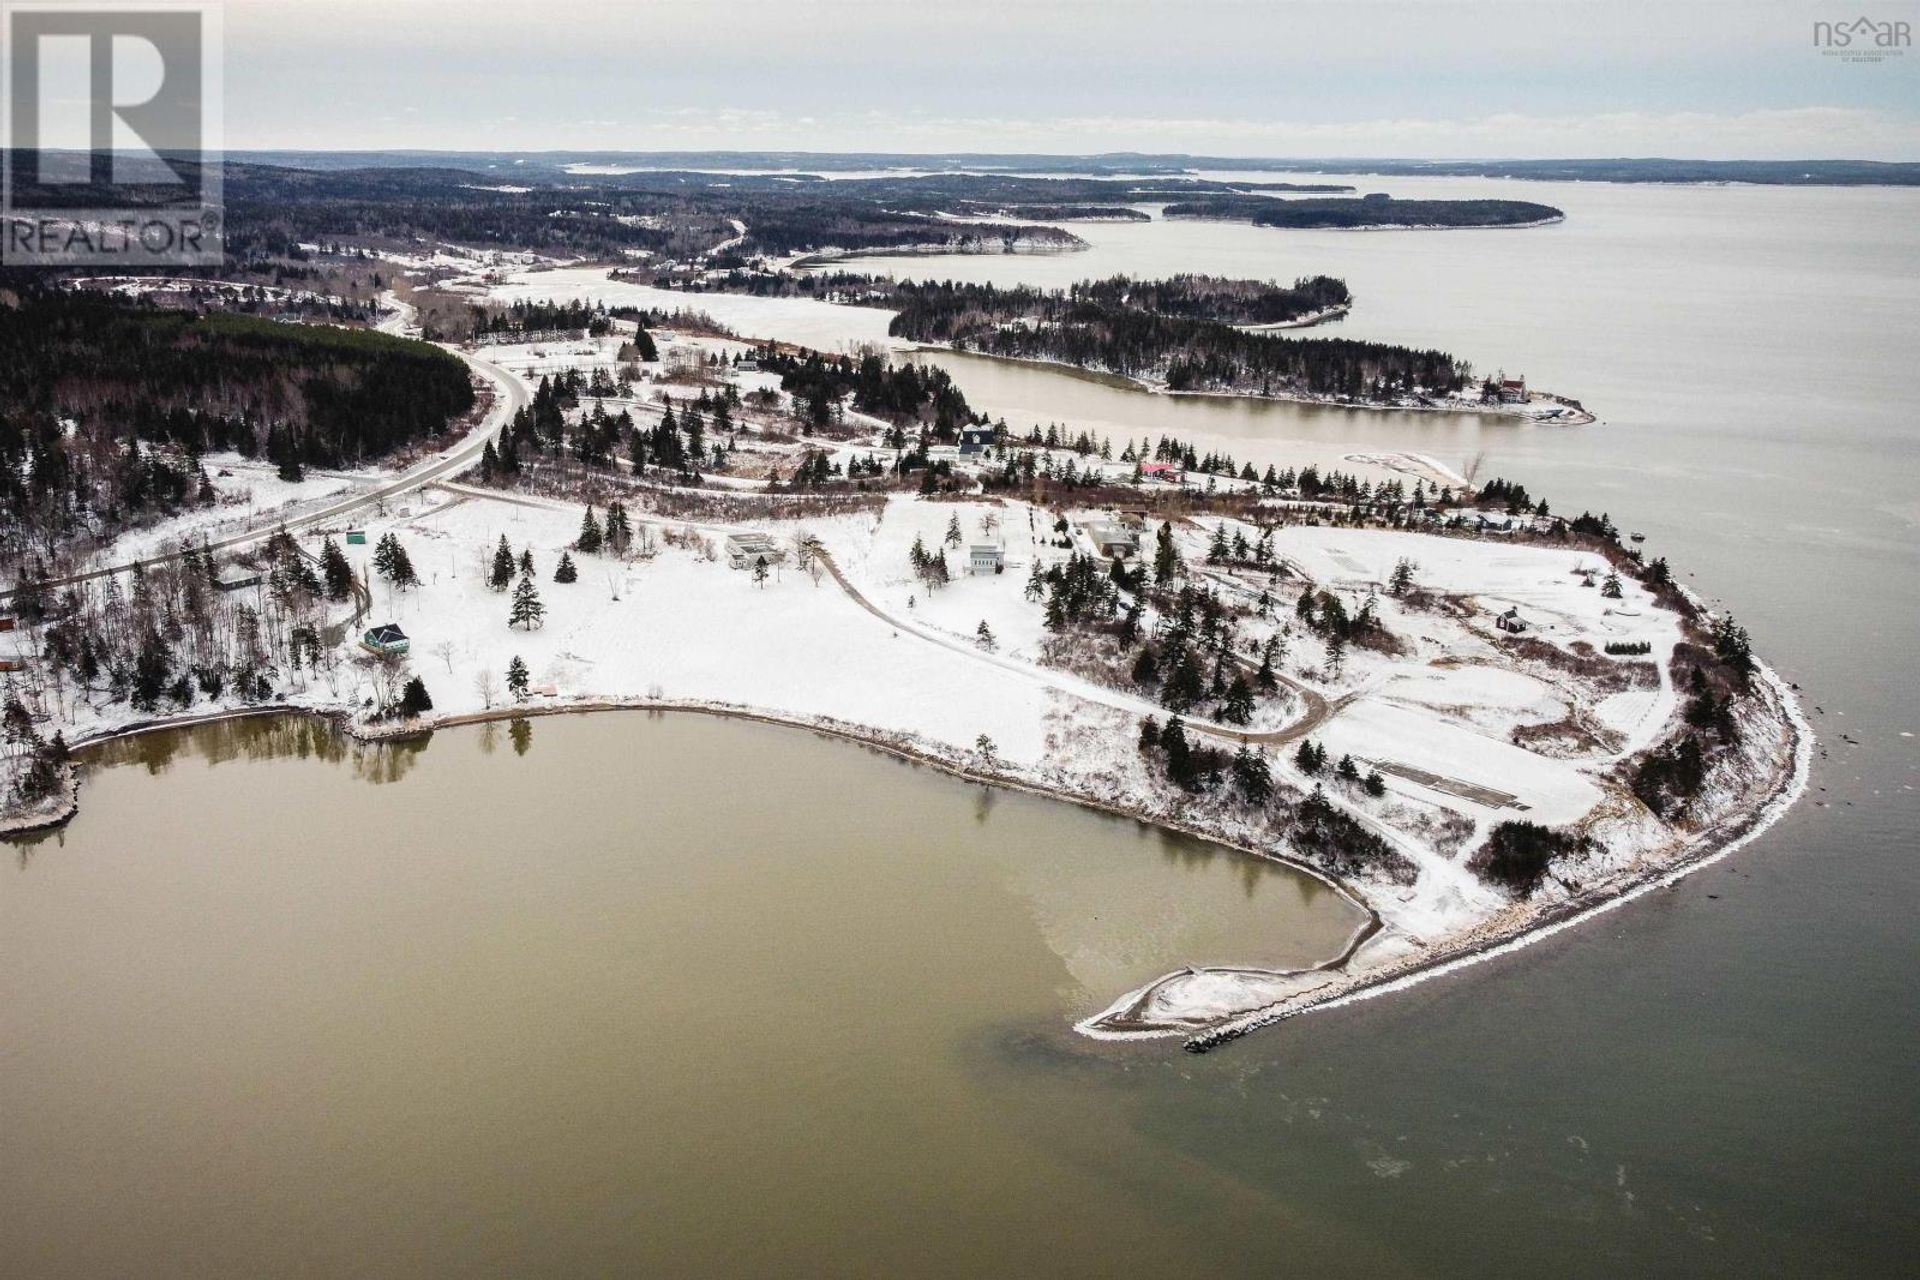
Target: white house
(745,550)
(986,558)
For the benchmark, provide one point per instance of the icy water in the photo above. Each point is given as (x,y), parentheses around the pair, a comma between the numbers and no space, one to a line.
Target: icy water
(593,995)
(1719,1080)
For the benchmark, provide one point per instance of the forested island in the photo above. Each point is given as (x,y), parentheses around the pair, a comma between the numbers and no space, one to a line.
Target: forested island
(1188,354)
(1373,210)
(1185,332)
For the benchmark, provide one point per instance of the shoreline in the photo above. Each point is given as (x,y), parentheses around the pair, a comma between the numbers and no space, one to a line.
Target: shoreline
(1698,852)
(816,258)
(1481,942)
(1371,226)
(1578,417)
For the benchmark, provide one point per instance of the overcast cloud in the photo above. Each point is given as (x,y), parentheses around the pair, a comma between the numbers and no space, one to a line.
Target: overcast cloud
(1311,79)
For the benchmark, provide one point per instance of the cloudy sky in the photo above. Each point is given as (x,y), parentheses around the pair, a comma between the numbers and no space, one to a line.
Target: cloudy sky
(1739,79)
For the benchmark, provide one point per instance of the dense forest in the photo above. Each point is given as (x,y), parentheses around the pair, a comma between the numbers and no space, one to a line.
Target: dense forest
(904,394)
(943,311)
(1172,330)
(1376,210)
(106,405)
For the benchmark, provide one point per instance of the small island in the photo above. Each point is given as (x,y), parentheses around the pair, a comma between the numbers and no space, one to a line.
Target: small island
(1376,211)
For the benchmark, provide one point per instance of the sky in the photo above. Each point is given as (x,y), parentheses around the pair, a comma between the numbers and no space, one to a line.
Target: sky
(1440,78)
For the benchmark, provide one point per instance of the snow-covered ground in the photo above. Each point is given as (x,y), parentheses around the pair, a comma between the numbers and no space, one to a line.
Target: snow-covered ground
(824,326)
(1467,723)
(680,626)
(251,495)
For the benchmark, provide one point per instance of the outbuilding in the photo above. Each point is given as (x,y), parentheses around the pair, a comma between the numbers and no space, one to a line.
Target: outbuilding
(236,577)
(1113,540)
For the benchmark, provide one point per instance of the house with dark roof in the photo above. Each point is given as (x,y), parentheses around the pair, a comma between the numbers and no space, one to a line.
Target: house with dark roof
(975,440)
(385,641)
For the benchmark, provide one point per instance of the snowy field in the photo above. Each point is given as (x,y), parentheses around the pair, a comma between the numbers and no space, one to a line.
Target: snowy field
(824,326)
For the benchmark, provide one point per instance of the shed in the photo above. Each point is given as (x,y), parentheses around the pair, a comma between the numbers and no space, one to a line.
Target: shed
(356,537)
(1113,540)
(385,640)
(236,577)
(1511,621)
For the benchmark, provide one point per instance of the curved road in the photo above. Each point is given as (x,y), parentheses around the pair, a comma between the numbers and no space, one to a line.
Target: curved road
(510,394)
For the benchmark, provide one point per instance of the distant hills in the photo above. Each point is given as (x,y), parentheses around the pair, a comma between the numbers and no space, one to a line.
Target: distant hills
(1621,169)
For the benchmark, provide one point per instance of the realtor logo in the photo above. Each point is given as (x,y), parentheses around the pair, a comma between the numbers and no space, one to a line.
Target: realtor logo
(1862,39)
(112,135)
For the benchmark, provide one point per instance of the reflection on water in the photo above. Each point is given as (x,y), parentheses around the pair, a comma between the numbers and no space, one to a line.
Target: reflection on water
(672,995)
(262,737)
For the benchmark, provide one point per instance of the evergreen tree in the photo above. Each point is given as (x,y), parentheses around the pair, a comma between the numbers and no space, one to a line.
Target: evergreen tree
(517,678)
(1166,557)
(1036,583)
(335,569)
(983,636)
(152,671)
(401,573)
(1237,708)
(953,530)
(1146,671)
(500,572)
(589,541)
(619,534)
(526,609)
(1265,677)
(1252,776)
(1402,580)
(414,701)
(565,572)
(526,561)
(1307,759)
(393,563)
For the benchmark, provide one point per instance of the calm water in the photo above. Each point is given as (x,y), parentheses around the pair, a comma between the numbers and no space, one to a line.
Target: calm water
(1725,1080)
(1720,1080)
(462,1022)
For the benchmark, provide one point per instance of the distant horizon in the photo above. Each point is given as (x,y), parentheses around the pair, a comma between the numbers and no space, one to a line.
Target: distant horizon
(1125,154)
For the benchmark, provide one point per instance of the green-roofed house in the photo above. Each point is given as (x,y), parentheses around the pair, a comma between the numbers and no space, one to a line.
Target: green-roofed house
(385,641)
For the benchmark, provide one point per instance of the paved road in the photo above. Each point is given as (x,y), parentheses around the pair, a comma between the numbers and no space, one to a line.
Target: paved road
(510,394)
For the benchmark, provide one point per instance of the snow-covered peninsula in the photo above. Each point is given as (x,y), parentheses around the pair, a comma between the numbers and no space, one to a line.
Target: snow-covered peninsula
(1477,720)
